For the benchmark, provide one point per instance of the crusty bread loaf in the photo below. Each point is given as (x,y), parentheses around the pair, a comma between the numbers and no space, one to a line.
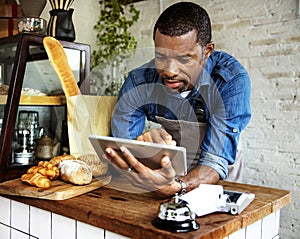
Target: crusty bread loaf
(59,60)
(75,171)
(36,179)
(97,166)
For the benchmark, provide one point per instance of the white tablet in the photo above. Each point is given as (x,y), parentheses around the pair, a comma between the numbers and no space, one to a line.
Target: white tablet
(150,154)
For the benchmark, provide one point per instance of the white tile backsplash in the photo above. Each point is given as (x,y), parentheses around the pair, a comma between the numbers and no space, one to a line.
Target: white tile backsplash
(253,231)
(270,226)
(112,235)
(40,223)
(85,231)
(63,227)
(240,234)
(15,234)
(20,216)
(4,231)
(277,218)
(5,211)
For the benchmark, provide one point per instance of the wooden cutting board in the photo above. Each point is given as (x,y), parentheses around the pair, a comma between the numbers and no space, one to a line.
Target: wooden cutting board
(59,190)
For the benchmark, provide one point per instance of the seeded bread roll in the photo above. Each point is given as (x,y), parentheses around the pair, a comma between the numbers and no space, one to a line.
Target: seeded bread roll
(59,60)
(97,166)
(75,171)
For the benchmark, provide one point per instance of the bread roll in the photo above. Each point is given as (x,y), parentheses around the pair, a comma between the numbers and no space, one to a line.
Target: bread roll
(59,60)
(97,166)
(75,171)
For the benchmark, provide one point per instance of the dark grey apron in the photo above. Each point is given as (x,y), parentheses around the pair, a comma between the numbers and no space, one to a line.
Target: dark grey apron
(190,136)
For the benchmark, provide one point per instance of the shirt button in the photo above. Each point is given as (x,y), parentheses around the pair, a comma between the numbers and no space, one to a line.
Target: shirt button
(234,130)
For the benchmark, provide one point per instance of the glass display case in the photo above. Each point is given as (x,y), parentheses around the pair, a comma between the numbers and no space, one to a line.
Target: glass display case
(32,103)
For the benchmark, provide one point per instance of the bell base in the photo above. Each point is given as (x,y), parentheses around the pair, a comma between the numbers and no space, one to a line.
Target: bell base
(175,226)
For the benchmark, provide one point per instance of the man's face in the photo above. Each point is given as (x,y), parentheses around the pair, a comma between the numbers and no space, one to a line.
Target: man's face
(179,60)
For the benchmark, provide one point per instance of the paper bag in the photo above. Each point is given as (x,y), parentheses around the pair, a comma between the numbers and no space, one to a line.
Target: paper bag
(88,115)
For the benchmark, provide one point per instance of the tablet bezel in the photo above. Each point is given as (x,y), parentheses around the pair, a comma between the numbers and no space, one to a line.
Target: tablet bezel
(153,151)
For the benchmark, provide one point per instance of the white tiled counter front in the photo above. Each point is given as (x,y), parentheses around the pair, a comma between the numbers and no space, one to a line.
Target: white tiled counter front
(107,213)
(21,221)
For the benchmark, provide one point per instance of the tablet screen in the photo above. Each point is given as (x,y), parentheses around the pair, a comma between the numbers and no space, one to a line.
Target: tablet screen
(150,154)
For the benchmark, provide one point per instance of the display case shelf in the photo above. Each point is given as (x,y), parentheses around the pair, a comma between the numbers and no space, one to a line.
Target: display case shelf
(37,100)
(24,64)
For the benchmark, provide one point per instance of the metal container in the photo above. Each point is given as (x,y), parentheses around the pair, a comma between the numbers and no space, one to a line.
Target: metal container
(24,158)
(32,25)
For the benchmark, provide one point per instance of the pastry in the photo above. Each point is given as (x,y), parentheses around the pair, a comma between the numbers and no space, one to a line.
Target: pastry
(36,179)
(4,89)
(49,166)
(59,60)
(97,166)
(75,171)
(49,173)
(56,160)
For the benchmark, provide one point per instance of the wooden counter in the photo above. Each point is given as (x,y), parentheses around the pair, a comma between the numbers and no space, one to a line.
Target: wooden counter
(131,214)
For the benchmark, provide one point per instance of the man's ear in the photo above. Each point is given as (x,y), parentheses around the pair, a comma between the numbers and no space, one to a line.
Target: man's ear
(209,48)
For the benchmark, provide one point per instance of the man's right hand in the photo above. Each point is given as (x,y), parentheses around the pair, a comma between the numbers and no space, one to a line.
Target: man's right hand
(160,136)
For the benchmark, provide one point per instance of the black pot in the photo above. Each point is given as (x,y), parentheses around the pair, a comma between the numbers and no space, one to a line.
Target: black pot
(60,25)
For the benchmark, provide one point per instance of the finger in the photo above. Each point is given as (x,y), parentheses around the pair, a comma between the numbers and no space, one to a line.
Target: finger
(132,161)
(116,159)
(169,171)
(165,136)
(157,136)
(140,138)
(148,137)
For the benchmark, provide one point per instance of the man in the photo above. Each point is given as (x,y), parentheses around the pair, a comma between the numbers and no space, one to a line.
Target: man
(200,96)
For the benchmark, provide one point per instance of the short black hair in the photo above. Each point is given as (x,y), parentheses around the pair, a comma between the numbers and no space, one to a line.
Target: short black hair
(183,17)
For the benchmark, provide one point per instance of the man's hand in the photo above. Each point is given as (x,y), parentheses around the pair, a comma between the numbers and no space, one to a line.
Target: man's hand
(161,181)
(159,135)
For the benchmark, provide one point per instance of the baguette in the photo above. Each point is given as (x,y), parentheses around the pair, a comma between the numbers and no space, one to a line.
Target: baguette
(59,61)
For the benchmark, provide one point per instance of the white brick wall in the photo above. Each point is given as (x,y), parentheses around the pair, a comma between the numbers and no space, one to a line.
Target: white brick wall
(265,37)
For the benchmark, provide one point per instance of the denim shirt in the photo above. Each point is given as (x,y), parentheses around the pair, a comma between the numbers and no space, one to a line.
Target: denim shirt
(224,90)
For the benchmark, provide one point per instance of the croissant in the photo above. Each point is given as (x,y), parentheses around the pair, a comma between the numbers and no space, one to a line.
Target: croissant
(59,60)
(50,173)
(49,166)
(36,179)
